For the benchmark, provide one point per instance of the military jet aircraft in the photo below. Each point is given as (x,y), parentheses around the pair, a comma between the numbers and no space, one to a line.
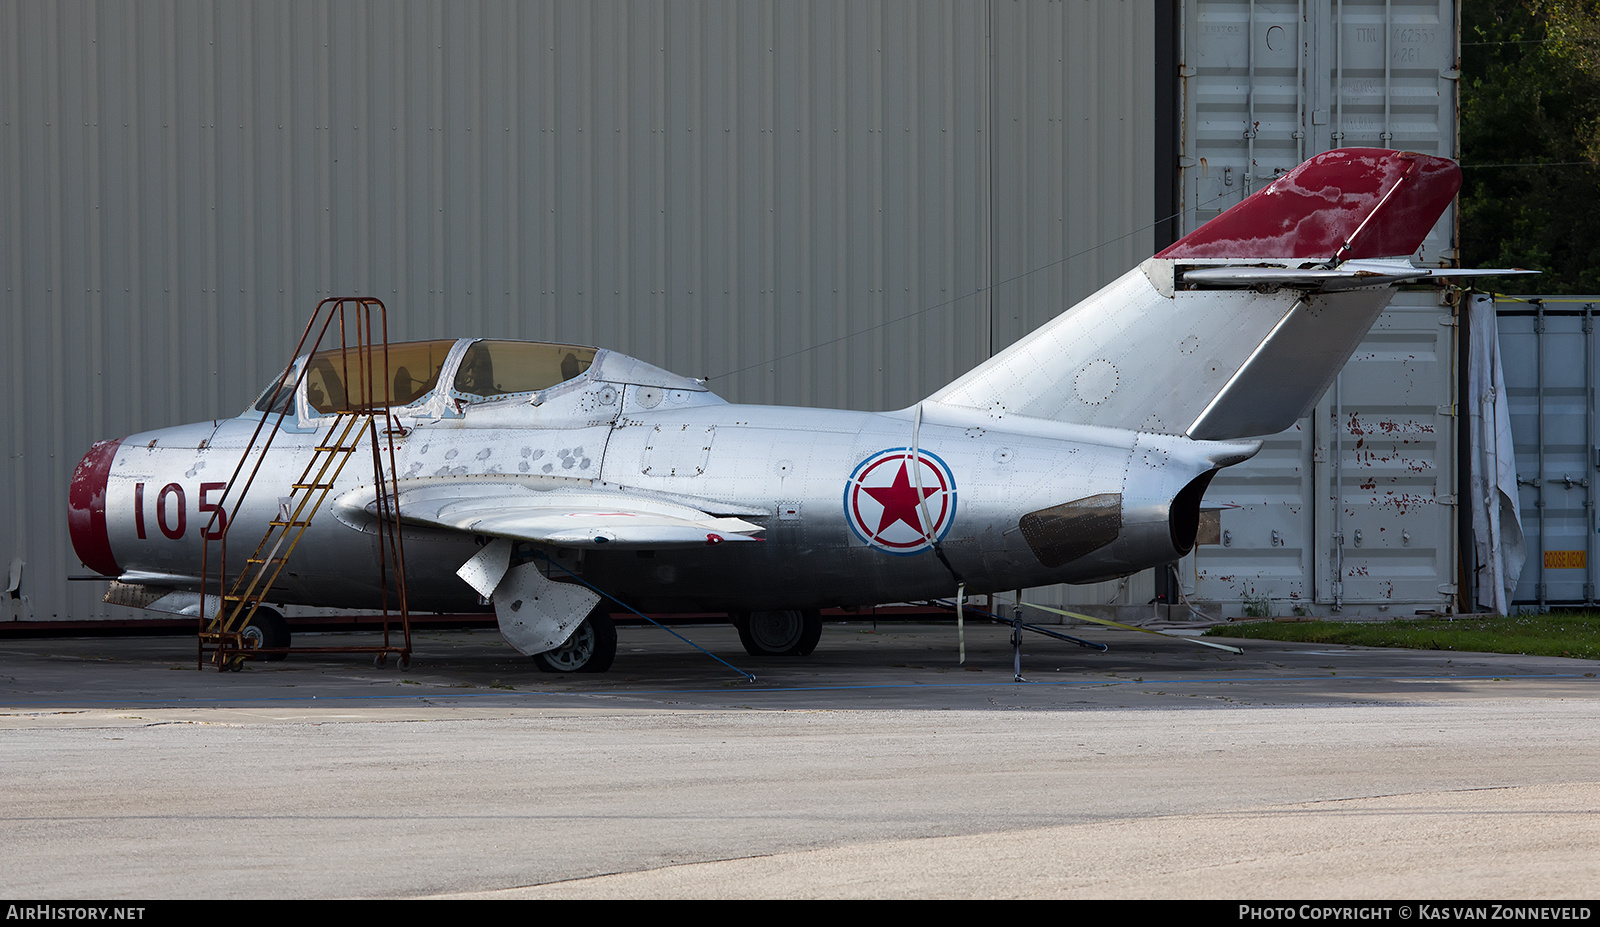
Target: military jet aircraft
(531,475)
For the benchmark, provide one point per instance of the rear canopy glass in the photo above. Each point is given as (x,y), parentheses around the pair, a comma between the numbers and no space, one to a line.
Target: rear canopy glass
(502,368)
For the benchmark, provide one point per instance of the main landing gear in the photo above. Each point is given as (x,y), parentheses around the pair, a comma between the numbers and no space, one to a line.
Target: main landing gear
(590,649)
(791,633)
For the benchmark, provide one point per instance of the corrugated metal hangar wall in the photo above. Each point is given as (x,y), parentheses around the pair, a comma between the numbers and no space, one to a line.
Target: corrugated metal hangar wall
(713,187)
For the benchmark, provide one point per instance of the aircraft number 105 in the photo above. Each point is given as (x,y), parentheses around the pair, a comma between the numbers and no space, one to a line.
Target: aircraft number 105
(172,517)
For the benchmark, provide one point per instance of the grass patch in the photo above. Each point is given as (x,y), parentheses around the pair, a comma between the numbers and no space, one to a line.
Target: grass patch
(1554,634)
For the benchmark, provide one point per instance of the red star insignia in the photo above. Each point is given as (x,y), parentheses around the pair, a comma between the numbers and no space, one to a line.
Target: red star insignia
(900,501)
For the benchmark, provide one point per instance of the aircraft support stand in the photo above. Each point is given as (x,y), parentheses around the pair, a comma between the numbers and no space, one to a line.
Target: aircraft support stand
(1017,626)
(1016,640)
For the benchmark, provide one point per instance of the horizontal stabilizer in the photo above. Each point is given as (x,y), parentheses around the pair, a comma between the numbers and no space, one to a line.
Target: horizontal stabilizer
(1346,276)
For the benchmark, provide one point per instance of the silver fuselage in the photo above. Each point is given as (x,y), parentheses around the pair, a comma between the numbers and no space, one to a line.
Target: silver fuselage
(786,469)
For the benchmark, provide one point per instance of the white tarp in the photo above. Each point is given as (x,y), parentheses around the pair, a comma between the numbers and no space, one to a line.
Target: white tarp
(1496,516)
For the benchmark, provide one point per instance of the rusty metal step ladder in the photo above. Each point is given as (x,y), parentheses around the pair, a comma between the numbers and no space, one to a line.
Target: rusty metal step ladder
(225,622)
(251,587)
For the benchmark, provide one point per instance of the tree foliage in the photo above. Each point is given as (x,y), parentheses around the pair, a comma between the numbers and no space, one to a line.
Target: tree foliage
(1530,137)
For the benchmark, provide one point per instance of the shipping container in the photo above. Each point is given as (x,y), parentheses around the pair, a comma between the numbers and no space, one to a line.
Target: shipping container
(1353,509)
(1548,346)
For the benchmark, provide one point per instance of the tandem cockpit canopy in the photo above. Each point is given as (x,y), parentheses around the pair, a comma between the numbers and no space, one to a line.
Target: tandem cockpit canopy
(477,371)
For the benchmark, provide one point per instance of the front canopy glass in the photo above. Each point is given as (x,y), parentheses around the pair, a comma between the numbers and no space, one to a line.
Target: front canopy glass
(341,380)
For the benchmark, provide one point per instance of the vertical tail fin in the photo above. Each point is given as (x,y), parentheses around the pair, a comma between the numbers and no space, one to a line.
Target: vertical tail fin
(1340,205)
(1151,352)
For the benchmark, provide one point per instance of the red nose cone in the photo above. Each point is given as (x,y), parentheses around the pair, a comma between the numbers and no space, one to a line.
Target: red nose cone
(86,509)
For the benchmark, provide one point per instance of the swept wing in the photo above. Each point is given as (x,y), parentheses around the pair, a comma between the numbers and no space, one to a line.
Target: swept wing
(564,516)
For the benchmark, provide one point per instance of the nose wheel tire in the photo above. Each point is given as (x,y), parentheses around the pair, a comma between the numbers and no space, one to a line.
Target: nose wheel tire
(267,629)
(590,649)
(789,633)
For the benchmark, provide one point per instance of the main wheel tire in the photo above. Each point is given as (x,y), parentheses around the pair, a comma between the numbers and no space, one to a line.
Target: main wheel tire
(788,633)
(590,649)
(812,633)
(268,629)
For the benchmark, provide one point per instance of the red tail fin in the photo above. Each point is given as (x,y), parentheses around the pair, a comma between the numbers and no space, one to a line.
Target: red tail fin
(1339,205)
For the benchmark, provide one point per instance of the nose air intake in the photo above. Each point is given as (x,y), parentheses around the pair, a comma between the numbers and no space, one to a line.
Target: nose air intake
(86,508)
